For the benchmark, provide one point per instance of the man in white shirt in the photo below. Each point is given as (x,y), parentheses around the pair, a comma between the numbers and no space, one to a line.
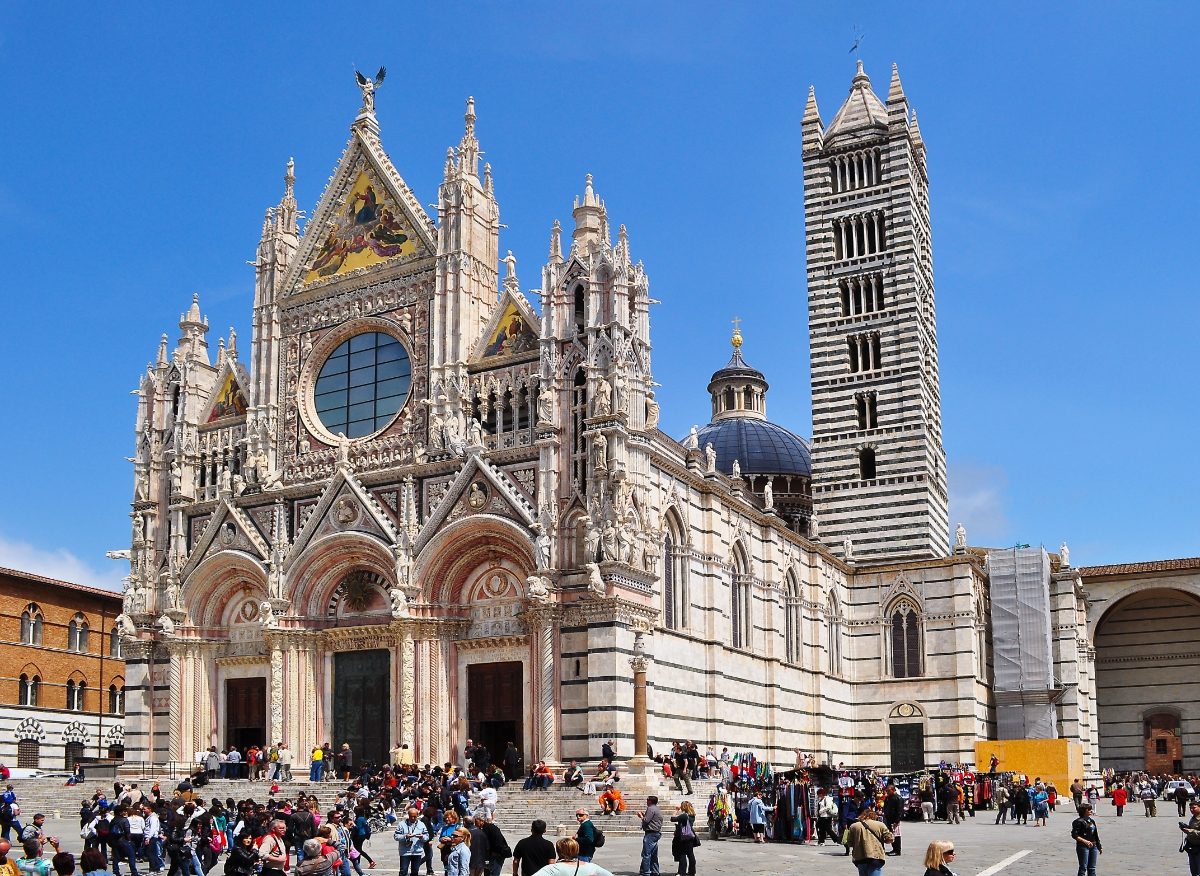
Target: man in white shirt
(152,834)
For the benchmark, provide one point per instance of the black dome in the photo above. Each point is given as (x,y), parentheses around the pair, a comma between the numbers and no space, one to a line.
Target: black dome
(759,446)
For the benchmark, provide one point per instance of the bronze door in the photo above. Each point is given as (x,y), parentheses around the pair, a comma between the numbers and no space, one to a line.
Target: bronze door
(362,704)
(908,748)
(246,712)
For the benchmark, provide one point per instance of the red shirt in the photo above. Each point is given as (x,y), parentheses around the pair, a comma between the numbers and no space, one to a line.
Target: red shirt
(1120,796)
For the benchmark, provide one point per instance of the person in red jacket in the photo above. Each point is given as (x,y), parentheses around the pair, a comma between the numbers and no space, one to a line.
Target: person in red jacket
(1120,797)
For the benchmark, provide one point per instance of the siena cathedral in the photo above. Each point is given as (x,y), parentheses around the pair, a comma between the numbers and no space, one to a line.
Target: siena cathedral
(425,505)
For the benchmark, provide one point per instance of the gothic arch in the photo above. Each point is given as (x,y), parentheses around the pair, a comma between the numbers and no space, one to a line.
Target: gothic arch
(319,570)
(459,548)
(212,583)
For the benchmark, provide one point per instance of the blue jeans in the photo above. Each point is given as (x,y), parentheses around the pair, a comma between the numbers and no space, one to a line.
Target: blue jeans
(1193,853)
(412,864)
(1087,859)
(123,851)
(154,853)
(650,854)
(869,867)
(314,771)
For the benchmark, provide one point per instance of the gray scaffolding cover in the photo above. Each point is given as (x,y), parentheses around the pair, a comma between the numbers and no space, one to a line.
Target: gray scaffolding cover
(1021,643)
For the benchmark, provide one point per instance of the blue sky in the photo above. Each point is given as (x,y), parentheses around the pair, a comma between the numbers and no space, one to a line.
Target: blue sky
(142,144)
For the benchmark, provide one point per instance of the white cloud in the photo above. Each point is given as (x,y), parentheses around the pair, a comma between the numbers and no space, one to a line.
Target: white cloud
(60,563)
(979,500)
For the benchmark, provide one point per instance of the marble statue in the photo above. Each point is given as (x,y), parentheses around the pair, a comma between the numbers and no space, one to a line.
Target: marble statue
(437,432)
(172,593)
(847,549)
(619,397)
(692,441)
(812,525)
(343,450)
(542,546)
(537,589)
(591,541)
(595,581)
(600,450)
(960,536)
(1064,554)
(266,616)
(399,602)
(475,433)
(225,482)
(125,627)
(545,414)
(710,458)
(768,495)
(368,86)
(603,403)
(608,541)
(652,412)
(624,545)
(737,469)
(167,626)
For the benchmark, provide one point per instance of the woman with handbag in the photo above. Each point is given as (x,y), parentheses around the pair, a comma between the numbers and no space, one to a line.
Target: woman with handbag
(684,843)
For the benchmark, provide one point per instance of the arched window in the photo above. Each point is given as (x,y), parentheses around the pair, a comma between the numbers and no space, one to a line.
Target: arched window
(73,753)
(30,689)
(77,634)
(834,623)
(578,415)
(31,625)
(906,640)
(114,643)
(740,609)
(579,309)
(29,754)
(670,621)
(116,752)
(793,620)
(116,700)
(866,464)
(75,695)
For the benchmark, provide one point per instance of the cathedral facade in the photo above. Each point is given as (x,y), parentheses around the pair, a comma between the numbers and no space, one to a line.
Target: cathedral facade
(422,510)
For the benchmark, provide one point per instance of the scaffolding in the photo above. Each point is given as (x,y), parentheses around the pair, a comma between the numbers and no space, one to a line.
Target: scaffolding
(1025,685)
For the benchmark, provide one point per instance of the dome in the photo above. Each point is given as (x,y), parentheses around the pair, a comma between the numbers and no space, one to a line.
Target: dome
(759,446)
(862,113)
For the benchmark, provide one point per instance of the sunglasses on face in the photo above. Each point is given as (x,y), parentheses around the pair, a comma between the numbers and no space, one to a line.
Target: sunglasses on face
(948,852)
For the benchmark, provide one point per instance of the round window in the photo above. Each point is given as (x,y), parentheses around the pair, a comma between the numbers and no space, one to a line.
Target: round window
(362,385)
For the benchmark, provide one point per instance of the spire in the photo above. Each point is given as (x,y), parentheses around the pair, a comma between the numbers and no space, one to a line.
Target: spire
(232,350)
(162,351)
(861,113)
(556,255)
(287,214)
(914,132)
(220,352)
(590,219)
(811,126)
(897,103)
(738,390)
(895,89)
(487,178)
(736,339)
(468,148)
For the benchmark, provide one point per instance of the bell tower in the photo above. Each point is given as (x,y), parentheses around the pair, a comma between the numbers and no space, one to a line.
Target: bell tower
(879,467)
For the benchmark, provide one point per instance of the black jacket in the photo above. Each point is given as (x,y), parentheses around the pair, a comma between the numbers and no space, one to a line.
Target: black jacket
(1085,827)
(498,848)
(241,861)
(893,809)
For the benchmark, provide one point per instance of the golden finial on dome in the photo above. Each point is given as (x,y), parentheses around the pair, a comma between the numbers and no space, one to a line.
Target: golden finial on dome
(736,340)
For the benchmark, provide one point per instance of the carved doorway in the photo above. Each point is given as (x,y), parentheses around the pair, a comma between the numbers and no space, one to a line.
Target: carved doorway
(362,704)
(246,712)
(494,712)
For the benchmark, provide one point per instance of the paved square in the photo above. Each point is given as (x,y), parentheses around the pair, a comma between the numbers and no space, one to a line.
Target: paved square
(1133,844)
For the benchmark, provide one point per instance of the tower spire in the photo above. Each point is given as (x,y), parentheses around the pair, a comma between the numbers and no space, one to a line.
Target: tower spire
(468,148)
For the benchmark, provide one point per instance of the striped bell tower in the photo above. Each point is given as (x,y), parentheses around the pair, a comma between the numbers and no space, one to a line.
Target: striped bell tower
(879,467)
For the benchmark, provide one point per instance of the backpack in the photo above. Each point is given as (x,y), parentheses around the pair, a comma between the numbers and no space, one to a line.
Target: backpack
(103,829)
(600,838)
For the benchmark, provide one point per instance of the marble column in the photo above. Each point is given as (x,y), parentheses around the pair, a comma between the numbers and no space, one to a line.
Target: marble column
(276,693)
(408,689)
(639,663)
(548,684)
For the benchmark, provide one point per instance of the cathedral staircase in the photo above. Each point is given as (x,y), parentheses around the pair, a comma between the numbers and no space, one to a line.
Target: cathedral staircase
(515,811)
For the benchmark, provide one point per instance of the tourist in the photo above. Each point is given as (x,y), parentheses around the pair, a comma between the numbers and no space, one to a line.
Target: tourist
(480,851)
(608,751)
(32,863)
(1182,796)
(893,814)
(1149,798)
(301,826)
(273,849)
(315,760)
(936,856)
(286,759)
(758,817)
(1041,806)
(512,761)
(346,761)
(954,798)
(233,763)
(1077,793)
(611,801)
(1087,841)
(458,862)
(925,795)
(243,856)
(8,867)
(63,864)
(445,837)
(1191,839)
(827,812)
(1022,805)
(651,824)
(411,834)
(119,840)
(585,836)
(1001,799)
(91,863)
(1120,798)
(534,852)
(573,775)
(8,803)
(152,841)
(33,831)
(362,832)
(569,863)
(318,859)
(497,847)
(487,803)
(866,837)
(680,772)
(684,842)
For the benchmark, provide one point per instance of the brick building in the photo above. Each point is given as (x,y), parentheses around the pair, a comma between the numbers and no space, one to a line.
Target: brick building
(62,679)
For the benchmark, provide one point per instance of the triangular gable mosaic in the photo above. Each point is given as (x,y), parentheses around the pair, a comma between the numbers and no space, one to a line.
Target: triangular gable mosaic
(368,228)
(229,401)
(511,331)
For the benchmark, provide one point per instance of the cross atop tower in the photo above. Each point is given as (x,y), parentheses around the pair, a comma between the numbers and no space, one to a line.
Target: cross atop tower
(736,340)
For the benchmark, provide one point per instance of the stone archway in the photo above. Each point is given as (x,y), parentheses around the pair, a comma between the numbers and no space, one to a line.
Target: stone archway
(1147,642)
